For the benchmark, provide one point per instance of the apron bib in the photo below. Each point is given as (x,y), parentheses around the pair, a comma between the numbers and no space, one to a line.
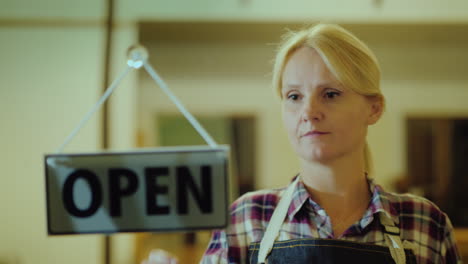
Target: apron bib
(327,251)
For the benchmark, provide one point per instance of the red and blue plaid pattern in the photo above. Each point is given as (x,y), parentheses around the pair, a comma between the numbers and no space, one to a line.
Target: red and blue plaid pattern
(420,221)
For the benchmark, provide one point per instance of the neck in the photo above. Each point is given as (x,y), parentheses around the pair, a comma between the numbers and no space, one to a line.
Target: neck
(339,178)
(339,186)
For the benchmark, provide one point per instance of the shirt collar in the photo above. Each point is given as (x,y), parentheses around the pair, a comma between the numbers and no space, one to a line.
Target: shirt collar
(300,196)
(379,203)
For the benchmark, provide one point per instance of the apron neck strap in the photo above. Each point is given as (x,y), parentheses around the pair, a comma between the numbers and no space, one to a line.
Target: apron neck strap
(276,222)
(392,239)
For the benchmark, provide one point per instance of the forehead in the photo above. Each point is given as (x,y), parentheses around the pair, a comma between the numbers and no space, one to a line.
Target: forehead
(306,66)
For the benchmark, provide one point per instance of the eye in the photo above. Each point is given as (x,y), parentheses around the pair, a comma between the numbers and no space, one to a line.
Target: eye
(331,94)
(293,96)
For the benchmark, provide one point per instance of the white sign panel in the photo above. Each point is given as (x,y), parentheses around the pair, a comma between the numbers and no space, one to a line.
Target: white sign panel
(163,190)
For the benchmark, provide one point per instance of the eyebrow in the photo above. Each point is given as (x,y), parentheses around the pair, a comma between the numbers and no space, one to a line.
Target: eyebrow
(335,85)
(291,86)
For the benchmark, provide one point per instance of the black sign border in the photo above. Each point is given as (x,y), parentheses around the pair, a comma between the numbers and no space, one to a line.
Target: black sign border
(163,150)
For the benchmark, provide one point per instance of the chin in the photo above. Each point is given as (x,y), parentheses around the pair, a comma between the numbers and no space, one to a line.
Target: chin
(316,155)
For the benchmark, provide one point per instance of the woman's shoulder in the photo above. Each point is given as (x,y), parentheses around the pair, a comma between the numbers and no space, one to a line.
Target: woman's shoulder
(412,209)
(422,222)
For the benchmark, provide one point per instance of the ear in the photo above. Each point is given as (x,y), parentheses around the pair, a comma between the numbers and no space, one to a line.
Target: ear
(376,109)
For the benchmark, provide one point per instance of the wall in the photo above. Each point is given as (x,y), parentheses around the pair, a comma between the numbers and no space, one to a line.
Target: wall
(360,11)
(50,77)
(51,72)
(423,74)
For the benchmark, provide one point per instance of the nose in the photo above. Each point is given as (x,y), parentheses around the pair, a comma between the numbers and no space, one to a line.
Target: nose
(312,110)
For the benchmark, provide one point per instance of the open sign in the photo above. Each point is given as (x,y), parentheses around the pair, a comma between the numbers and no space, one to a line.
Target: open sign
(161,190)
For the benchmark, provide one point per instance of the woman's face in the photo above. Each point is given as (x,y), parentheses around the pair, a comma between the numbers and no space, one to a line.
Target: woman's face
(324,120)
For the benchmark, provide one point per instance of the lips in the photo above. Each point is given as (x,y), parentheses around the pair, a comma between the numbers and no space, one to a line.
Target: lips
(315,133)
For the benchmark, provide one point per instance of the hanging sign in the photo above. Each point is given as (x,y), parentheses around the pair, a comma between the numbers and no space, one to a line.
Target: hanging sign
(166,189)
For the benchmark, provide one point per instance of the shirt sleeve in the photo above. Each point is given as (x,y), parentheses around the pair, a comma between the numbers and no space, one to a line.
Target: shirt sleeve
(449,248)
(217,251)
(230,245)
(226,246)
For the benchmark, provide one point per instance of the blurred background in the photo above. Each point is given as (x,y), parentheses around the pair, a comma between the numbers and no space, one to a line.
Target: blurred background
(56,58)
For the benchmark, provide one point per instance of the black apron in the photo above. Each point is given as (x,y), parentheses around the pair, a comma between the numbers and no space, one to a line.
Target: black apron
(325,251)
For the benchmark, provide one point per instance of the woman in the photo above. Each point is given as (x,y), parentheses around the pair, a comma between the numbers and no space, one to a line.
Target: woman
(332,212)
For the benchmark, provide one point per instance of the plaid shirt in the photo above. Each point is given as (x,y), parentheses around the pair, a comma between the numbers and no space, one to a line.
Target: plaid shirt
(420,222)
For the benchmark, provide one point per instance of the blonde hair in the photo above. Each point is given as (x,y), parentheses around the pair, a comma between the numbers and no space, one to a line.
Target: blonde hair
(351,62)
